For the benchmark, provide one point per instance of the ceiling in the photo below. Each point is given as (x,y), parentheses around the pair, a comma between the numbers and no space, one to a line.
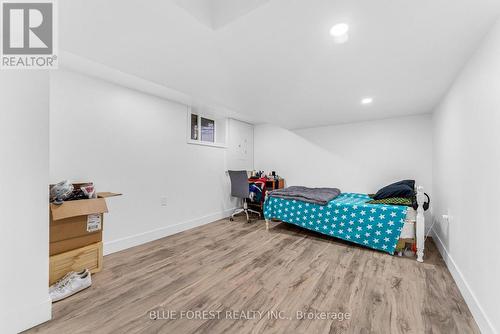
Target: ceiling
(218,13)
(274,60)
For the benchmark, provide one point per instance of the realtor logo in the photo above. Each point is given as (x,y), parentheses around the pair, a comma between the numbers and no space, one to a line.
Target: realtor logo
(28,35)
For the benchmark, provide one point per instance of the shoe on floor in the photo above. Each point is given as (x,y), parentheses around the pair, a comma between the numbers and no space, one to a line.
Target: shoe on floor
(66,278)
(73,285)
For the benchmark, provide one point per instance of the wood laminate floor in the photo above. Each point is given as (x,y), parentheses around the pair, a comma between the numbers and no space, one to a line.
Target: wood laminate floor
(228,267)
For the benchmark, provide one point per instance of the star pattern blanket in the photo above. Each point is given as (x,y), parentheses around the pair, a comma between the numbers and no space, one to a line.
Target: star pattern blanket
(347,217)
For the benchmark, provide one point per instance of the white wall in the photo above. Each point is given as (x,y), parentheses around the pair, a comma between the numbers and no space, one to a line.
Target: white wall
(466,168)
(134,143)
(240,152)
(355,157)
(24,174)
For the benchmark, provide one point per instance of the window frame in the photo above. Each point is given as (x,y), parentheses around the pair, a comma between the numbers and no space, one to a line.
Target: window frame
(198,141)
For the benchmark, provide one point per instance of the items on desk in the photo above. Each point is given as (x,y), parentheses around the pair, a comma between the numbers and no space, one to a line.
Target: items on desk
(258,174)
(261,174)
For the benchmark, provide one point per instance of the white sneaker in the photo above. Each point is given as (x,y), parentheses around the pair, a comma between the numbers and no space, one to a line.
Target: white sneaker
(73,285)
(66,278)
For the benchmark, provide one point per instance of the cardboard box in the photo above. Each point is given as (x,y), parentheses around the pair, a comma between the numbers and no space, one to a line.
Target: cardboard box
(75,224)
(88,257)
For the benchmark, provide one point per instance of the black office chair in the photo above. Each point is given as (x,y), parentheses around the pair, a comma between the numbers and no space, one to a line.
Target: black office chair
(240,189)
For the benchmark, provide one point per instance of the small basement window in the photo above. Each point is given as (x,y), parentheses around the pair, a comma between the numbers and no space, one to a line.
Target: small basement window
(207,130)
(194,127)
(204,129)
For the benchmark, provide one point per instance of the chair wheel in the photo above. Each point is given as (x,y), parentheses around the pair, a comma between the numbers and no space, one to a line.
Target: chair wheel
(231,219)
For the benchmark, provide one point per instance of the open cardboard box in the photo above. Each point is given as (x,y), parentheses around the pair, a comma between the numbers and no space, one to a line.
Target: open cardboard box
(79,223)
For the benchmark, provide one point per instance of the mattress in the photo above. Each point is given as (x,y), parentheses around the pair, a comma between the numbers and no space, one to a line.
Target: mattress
(348,217)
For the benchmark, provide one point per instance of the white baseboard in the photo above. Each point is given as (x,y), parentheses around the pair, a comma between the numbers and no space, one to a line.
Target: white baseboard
(18,320)
(475,307)
(141,238)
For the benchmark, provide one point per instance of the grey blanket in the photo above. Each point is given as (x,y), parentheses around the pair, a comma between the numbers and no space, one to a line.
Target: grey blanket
(319,196)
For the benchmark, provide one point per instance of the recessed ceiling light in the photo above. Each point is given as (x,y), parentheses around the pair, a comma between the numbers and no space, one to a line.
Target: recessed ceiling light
(339,29)
(367,100)
(339,32)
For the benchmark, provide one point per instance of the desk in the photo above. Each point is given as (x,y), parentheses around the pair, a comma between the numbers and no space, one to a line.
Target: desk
(275,184)
(271,184)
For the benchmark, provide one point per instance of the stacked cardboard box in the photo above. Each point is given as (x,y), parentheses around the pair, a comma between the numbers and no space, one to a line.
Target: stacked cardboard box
(76,235)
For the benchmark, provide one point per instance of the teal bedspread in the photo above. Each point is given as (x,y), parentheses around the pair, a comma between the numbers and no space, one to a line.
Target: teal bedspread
(347,217)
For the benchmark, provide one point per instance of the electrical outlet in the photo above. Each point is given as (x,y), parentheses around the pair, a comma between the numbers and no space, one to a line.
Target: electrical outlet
(447,217)
(163,201)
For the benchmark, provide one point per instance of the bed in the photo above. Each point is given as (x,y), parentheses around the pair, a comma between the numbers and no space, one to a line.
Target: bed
(349,217)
